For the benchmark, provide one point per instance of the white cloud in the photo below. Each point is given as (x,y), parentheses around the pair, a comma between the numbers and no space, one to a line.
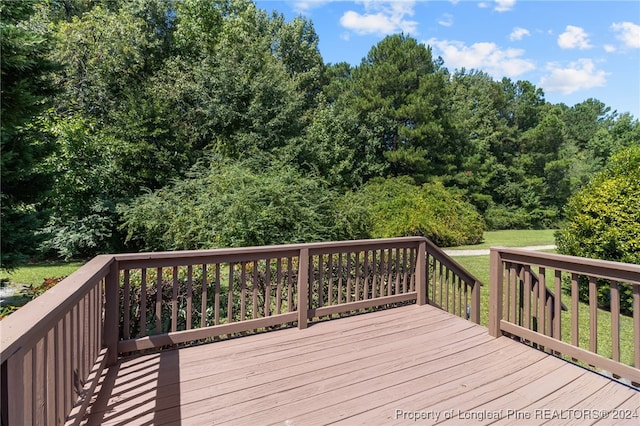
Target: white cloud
(485,56)
(446,20)
(500,5)
(518,33)
(304,7)
(504,5)
(609,48)
(381,18)
(578,75)
(574,38)
(628,33)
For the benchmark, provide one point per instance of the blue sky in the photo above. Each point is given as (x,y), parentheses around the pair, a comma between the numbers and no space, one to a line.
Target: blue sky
(573,50)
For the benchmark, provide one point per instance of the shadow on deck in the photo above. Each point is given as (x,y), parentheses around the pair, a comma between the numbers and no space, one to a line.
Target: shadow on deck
(391,366)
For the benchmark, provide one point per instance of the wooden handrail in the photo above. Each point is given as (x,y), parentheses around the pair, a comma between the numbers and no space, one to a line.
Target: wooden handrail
(445,267)
(31,322)
(195,256)
(505,267)
(626,272)
(50,349)
(242,271)
(450,263)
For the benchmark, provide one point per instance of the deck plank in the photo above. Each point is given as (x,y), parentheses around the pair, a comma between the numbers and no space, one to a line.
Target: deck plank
(353,370)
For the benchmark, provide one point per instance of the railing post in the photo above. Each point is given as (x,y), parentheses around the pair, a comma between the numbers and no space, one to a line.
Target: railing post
(495,292)
(303,288)
(111,315)
(475,302)
(421,274)
(636,324)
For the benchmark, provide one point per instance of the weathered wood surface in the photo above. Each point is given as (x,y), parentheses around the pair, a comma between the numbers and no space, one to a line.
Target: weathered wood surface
(374,368)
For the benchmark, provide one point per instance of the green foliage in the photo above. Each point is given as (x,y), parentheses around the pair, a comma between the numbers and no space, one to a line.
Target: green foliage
(151,87)
(398,96)
(603,219)
(229,205)
(90,232)
(396,207)
(25,88)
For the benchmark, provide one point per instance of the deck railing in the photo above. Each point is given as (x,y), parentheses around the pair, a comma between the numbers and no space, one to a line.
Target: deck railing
(450,286)
(170,298)
(52,349)
(520,307)
(55,348)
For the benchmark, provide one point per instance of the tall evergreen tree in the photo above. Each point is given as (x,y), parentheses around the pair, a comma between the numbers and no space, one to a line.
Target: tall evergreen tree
(398,94)
(25,88)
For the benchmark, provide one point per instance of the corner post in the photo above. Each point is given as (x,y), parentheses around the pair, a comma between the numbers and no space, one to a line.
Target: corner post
(495,292)
(111,316)
(303,288)
(421,274)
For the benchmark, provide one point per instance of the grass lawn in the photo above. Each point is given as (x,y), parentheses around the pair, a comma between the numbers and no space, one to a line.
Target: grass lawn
(26,282)
(514,238)
(34,274)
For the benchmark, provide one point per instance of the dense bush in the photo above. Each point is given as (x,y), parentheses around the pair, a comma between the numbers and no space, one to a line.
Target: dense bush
(396,207)
(603,219)
(229,205)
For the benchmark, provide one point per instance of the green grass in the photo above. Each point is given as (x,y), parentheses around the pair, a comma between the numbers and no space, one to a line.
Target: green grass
(514,238)
(34,274)
(479,267)
(27,282)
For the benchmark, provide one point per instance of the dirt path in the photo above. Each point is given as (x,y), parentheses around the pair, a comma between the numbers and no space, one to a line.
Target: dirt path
(485,252)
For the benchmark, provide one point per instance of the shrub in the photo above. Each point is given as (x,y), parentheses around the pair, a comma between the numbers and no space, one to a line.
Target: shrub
(229,205)
(395,207)
(603,220)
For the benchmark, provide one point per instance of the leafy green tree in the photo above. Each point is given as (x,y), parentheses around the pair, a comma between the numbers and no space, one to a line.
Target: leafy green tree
(611,137)
(583,120)
(603,219)
(476,109)
(326,149)
(26,87)
(81,201)
(525,103)
(111,137)
(295,45)
(235,90)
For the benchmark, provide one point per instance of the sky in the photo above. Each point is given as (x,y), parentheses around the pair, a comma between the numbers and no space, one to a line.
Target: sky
(572,50)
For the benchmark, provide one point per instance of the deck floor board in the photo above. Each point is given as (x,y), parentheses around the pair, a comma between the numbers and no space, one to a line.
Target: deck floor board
(363,369)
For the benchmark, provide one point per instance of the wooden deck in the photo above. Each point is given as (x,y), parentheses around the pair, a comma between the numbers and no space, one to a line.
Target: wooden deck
(385,367)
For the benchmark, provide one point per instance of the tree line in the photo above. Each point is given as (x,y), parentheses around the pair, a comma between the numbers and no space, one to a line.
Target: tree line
(164,124)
